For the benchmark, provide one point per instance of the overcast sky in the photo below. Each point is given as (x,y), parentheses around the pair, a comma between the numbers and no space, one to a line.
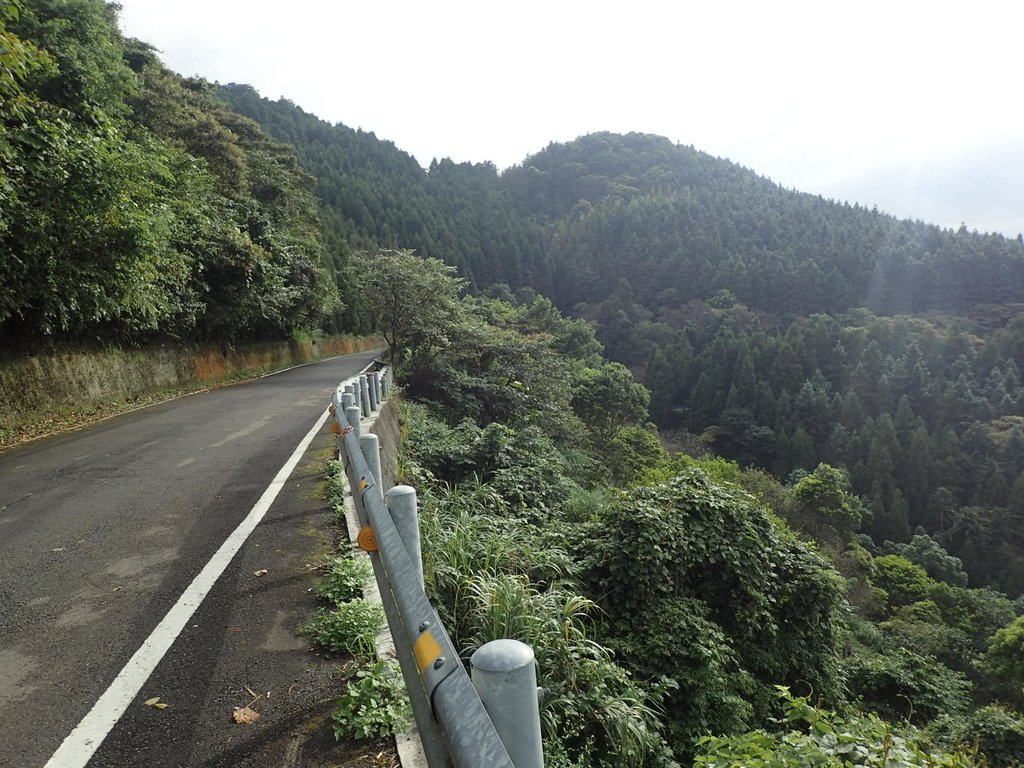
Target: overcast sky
(913,106)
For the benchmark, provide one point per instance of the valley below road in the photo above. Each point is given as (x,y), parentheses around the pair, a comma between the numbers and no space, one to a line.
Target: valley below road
(103,530)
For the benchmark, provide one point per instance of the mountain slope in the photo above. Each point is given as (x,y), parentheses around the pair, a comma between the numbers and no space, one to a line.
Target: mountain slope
(375,195)
(680,225)
(768,323)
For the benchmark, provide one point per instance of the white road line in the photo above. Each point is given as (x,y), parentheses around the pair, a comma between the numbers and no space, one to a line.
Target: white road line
(82,742)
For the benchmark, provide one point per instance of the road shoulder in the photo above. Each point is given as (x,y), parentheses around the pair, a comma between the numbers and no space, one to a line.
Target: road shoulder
(243,644)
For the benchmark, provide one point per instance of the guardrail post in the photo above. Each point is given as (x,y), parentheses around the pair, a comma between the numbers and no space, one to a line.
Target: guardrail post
(364,394)
(504,674)
(354,418)
(401,503)
(375,386)
(369,444)
(347,401)
(385,383)
(371,380)
(455,728)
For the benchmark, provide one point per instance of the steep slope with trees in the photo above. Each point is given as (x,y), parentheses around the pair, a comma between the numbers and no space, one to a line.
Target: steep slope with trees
(674,611)
(375,195)
(785,330)
(135,206)
(777,328)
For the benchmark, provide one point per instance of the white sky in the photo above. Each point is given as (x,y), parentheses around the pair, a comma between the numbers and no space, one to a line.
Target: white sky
(913,106)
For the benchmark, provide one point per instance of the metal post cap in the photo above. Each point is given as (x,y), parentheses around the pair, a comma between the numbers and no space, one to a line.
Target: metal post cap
(400,490)
(502,656)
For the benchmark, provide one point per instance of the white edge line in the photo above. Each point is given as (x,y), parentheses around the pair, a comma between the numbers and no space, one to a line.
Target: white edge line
(326,359)
(85,739)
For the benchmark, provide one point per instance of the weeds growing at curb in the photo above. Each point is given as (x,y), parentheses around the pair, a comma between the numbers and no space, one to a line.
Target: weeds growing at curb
(351,627)
(375,703)
(345,579)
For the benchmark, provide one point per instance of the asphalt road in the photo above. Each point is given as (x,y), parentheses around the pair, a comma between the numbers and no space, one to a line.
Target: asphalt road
(102,530)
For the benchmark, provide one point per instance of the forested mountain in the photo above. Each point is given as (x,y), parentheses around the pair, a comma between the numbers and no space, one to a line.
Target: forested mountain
(375,195)
(787,330)
(680,225)
(778,328)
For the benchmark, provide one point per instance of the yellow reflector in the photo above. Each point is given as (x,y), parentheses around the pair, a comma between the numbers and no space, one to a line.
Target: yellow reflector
(367,540)
(426,650)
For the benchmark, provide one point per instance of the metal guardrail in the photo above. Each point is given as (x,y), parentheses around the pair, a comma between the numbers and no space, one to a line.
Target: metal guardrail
(489,721)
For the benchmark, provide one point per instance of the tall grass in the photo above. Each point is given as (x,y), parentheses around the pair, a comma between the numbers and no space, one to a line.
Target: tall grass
(493,573)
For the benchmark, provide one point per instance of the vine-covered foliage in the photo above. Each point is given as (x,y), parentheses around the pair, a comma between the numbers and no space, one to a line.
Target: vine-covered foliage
(133,204)
(741,604)
(818,737)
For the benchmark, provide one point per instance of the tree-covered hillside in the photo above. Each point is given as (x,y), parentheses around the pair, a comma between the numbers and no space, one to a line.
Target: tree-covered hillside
(680,225)
(785,330)
(133,204)
(676,614)
(375,195)
(776,328)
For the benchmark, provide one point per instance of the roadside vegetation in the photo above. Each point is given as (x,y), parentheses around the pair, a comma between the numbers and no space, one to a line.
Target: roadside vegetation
(374,703)
(681,608)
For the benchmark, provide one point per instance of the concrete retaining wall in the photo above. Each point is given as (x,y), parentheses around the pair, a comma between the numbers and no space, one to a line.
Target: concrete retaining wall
(34,386)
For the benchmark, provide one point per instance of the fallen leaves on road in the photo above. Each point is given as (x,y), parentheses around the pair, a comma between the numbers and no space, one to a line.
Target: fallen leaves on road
(155,703)
(245,715)
(260,572)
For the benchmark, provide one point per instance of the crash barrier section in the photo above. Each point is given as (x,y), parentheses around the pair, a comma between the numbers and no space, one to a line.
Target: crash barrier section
(489,720)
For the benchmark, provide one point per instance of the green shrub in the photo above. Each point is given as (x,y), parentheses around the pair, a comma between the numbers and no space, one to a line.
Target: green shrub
(345,579)
(928,553)
(495,574)
(904,581)
(698,582)
(1004,664)
(351,627)
(335,475)
(902,685)
(820,738)
(375,703)
(997,731)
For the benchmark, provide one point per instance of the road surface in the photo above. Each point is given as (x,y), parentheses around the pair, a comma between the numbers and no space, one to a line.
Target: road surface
(101,533)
